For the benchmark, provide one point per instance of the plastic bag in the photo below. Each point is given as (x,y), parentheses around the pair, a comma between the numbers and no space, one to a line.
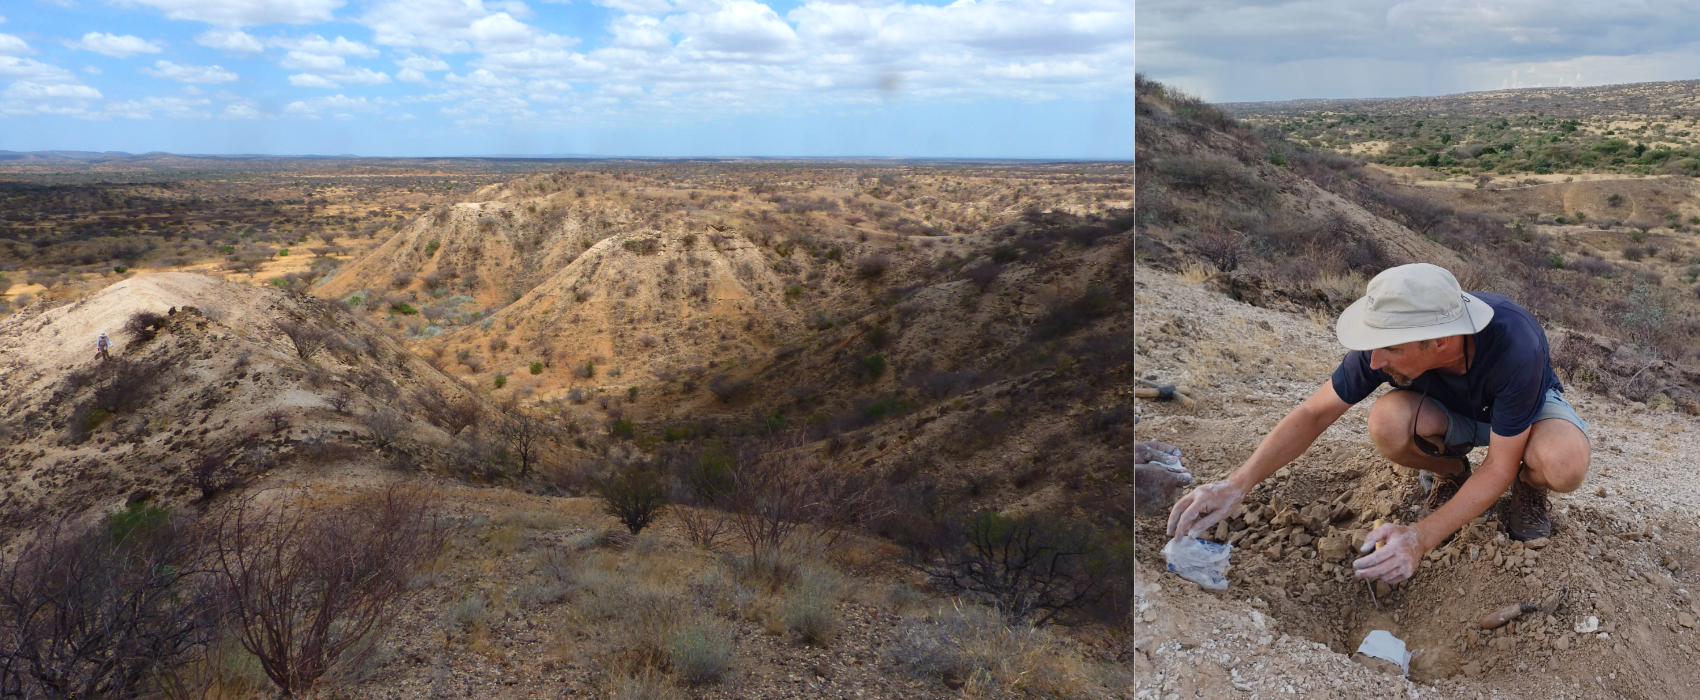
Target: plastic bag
(1203,563)
(1381,644)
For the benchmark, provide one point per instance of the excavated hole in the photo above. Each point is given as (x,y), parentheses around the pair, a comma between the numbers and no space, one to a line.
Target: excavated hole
(1437,612)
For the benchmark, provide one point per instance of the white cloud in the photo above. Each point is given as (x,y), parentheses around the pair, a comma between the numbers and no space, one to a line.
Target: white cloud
(306,80)
(149,107)
(13,45)
(637,7)
(422,63)
(25,90)
(409,75)
(335,79)
(114,45)
(338,104)
(189,74)
(231,40)
(455,26)
(246,13)
(739,26)
(316,44)
(91,70)
(242,111)
(301,60)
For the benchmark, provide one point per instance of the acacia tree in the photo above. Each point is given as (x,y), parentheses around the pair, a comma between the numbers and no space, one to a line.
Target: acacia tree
(523,434)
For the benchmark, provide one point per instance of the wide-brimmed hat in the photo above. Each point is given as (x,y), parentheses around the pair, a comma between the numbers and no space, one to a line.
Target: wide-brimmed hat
(1409,303)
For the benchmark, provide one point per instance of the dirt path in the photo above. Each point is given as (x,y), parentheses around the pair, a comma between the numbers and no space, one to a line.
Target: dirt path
(1625,544)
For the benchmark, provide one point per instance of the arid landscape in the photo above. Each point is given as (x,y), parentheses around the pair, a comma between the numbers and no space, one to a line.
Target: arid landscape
(634,429)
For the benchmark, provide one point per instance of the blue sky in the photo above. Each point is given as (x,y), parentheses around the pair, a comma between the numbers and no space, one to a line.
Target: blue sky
(1260,50)
(971,78)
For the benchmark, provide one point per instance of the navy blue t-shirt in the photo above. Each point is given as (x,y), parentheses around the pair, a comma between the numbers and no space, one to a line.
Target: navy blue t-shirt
(1507,381)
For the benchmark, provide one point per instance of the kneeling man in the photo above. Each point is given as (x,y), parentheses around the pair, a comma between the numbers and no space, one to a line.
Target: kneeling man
(1471,369)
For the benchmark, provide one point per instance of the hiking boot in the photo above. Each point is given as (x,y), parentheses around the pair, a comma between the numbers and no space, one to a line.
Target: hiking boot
(1441,488)
(1528,518)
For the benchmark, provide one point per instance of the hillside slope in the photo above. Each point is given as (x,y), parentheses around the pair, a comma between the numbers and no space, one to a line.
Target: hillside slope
(219,387)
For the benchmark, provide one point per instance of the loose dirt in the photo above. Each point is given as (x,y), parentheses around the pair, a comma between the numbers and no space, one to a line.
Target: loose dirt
(1623,553)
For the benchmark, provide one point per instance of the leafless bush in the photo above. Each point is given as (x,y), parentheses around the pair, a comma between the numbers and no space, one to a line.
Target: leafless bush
(523,434)
(385,425)
(127,383)
(1032,568)
(306,337)
(103,613)
(1221,247)
(475,460)
(209,474)
(778,494)
(340,401)
(401,279)
(452,415)
(278,419)
(143,325)
(983,275)
(307,592)
(726,388)
(871,266)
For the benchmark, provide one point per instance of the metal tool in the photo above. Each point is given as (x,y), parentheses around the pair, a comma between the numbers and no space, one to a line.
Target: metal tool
(1371,584)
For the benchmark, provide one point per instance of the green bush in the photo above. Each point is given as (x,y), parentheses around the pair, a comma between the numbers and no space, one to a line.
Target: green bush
(874,365)
(404,309)
(635,494)
(700,653)
(624,428)
(138,520)
(120,269)
(431,248)
(282,252)
(536,368)
(501,380)
(809,610)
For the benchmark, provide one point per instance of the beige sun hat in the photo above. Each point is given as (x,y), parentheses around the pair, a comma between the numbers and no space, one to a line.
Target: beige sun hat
(1410,303)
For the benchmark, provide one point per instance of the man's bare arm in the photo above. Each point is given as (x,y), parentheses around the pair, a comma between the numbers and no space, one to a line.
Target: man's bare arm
(1210,503)
(1497,471)
(1406,544)
(1292,436)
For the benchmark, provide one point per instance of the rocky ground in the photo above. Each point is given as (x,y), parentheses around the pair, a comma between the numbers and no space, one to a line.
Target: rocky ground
(1615,577)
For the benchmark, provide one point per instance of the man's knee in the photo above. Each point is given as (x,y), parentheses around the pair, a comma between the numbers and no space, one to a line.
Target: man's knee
(1559,452)
(1389,422)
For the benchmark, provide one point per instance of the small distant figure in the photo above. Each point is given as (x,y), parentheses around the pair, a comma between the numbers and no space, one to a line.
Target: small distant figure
(102,345)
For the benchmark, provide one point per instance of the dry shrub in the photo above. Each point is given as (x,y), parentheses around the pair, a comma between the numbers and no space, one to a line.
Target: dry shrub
(308,591)
(975,647)
(143,325)
(106,613)
(127,383)
(1032,568)
(306,337)
(386,426)
(780,496)
(452,415)
(635,493)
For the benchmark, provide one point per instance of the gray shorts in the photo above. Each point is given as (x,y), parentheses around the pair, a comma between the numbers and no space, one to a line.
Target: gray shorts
(1461,430)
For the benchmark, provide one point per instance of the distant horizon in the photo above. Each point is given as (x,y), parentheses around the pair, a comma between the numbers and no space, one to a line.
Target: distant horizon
(1386,49)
